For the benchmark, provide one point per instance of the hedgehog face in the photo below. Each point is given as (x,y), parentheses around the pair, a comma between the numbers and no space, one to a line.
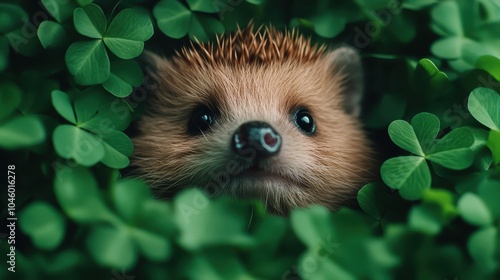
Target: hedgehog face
(281,130)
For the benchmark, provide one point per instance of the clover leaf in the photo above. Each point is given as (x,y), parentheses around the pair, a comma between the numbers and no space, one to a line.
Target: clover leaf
(60,10)
(22,132)
(10,98)
(127,32)
(51,34)
(176,20)
(466,35)
(90,21)
(474,210)
(207,223)
(482,245)
(112,247)
(77,192)
(88,61)
(484,104)
(44,224)
(96,136)
(78,144)
(125,74)
(411,174)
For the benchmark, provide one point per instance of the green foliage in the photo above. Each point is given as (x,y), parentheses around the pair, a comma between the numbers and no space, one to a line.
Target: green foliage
(70,85)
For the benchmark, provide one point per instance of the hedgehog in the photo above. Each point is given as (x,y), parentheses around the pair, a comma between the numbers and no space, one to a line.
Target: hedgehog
(258,114)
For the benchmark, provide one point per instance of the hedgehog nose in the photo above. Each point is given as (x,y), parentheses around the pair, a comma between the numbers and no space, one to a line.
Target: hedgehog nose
(256,141)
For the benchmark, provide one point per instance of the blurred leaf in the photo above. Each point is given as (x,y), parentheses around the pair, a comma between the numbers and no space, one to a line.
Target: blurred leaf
(494,145)
(325,270)
(418,4)
(474,210)
(423,219)
(329,24)
(11,17)
(214,265)
(409,174)
(83,58)
(373,200)
(4,53)
(203,6)
(173,18)
(205,223)
(129,197)
(10,98)
(153,246)
(21,132)
(51,34)
(446,18)
(127,32)
(444,199)
(489,64)
(482,245)
(60,10)
(483,105)
(112,247)
(202,27)
(43,224)
(75,143)
(77,193)
(311,223)
(90,21)
(489,193)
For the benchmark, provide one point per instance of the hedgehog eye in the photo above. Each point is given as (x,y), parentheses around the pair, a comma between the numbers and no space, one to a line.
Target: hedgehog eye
(304,121)
(202,118)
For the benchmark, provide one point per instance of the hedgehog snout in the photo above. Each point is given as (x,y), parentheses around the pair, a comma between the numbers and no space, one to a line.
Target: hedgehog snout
(256,141)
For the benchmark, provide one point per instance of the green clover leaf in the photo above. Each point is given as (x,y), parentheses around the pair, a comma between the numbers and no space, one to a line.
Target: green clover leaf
(482,245)
(411,174)
(203,6)
(127,32)
(60,10)
(22,132)
(484,104)
(466,35)
(173,18)
(12,17)
(125,74)
(117,149)
(176,20)
(77,192)
(90,21)
(10,98)
(44,224)
(207,223)
(96,136)
(62,104)
(51,34)
(474,210)
(112,247)
(88,62)
(70,142)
